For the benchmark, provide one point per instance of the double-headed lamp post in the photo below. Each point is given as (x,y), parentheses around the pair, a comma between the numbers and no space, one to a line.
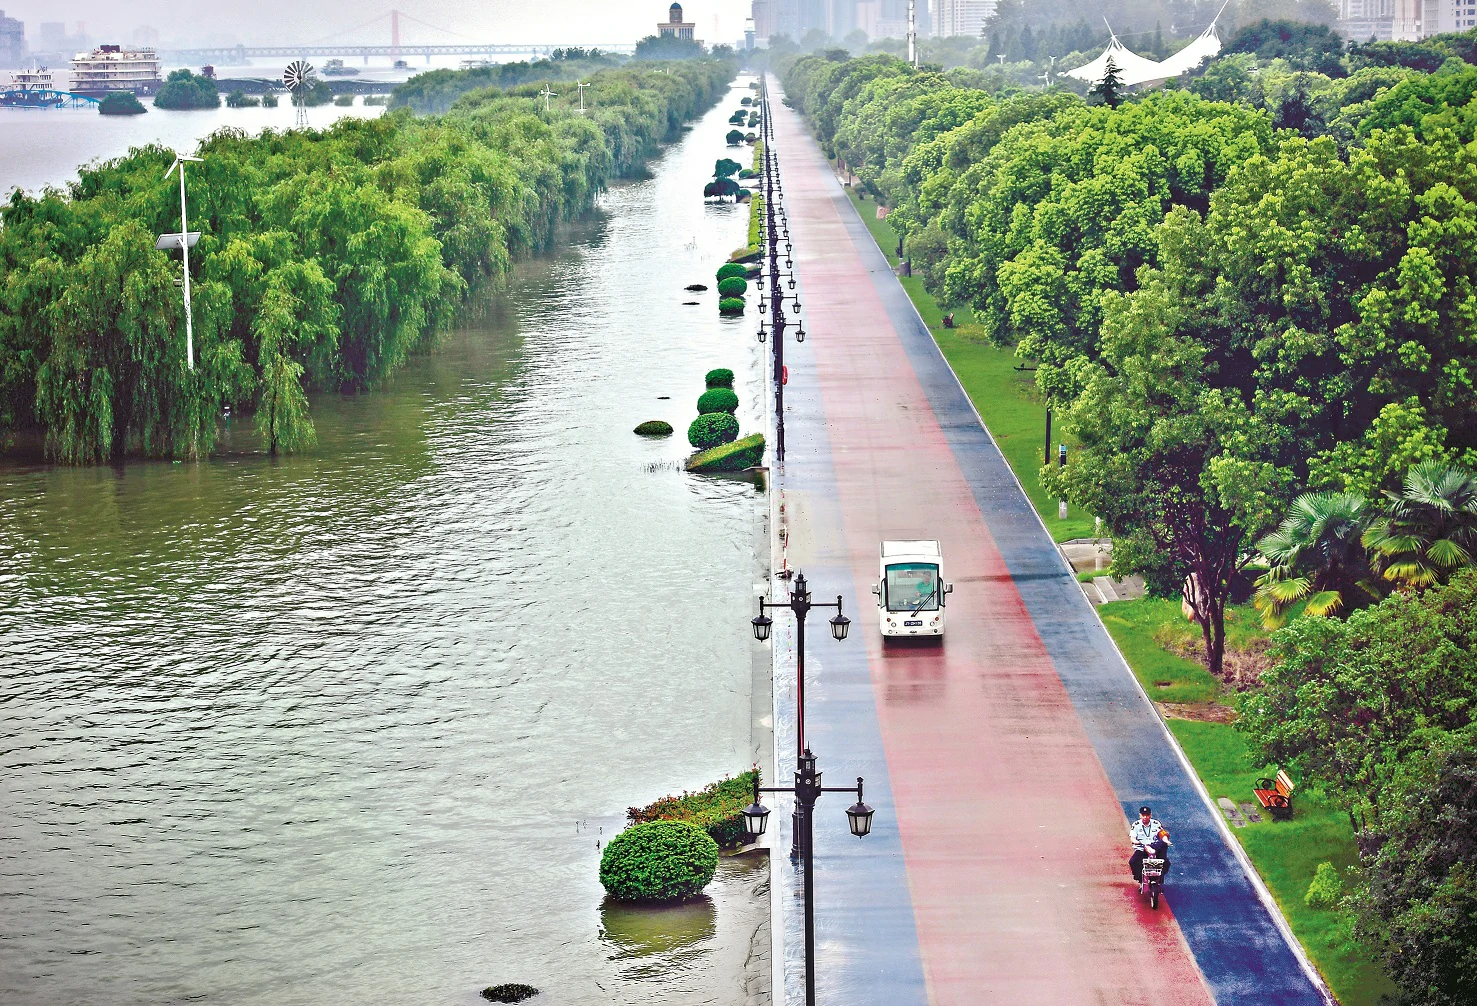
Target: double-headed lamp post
(807,787)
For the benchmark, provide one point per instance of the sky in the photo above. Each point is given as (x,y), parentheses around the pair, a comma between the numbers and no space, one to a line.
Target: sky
(272,22)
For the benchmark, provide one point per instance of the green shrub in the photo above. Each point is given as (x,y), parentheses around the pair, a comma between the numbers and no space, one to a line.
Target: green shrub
(120,103)
(508,992)
(711,429)
(1326,890)
(733,286)
(183,89)
(720,377)
(748,173)
(240,99)
(654,428)
(728,269)
(734,137)
(343,100)
(714,808)
(658,861)
(717,400)
(731,305)
(269,101)
(732,457)
(746,101)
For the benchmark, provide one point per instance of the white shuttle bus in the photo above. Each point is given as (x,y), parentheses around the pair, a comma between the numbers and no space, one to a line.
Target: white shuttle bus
(911,591)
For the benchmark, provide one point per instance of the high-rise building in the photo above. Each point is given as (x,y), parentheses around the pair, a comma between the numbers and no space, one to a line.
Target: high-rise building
(1412,19)
(1362,20)
(12,41)
(962,17)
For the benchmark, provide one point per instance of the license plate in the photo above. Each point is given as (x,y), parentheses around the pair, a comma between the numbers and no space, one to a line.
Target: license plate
(910,621)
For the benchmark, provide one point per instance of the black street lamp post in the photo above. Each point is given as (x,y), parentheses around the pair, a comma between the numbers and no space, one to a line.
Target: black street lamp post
(807,787)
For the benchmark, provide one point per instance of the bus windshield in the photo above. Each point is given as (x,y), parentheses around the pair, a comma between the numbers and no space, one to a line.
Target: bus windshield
(913,586)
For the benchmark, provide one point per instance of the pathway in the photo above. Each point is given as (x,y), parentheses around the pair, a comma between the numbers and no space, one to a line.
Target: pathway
(1004,764)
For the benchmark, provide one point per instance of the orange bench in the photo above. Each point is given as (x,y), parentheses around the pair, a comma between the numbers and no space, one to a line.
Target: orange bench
(1276,795)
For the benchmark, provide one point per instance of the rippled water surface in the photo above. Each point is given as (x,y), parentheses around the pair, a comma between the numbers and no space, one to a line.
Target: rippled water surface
(348,727)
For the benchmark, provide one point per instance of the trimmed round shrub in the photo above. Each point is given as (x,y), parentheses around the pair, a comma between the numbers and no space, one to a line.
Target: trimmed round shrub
(746,101)
(711,429)
(734,137)
(731,305)
(733,286)
(721,377)
(654,428)
(120,103)
(728,269)
(508,992)
(745,452)
(750,137)
(717,400)
(658,861)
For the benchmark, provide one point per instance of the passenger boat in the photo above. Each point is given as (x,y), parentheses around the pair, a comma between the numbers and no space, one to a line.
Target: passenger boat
(31,88)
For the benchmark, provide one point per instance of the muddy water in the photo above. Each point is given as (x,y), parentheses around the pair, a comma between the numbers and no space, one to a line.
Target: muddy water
(351,727)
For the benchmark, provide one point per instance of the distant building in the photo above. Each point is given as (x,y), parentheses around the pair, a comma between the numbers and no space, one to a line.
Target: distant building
(1362,20)
(1417,19)
(12,41)
(962,17)
(113,68)
(675,27)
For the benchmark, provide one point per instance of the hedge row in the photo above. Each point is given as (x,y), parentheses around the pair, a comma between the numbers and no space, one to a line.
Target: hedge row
(715,809)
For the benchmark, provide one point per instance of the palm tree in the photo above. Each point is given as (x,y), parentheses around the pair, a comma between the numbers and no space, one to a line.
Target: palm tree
(1429,528)
(1317,556)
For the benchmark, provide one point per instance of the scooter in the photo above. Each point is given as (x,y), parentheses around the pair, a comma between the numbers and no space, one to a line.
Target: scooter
(1151,880)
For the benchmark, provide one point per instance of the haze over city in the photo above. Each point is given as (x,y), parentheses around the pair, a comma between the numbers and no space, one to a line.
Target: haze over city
(580,22)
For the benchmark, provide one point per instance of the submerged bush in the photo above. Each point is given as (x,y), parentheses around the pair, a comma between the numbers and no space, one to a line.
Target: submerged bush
(120,103)
(717,400)
(658,861)
(508,992)
(654,428)
(711,429)
(720,377)
(732,457)
(731,305)
(729,269)
(733,286)
(716,808)
(734,137)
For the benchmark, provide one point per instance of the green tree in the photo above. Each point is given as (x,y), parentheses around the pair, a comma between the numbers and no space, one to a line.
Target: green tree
(1109,90)
(1316,556)
(182,89)
(1429,528)
(1420,906)
(1349,702)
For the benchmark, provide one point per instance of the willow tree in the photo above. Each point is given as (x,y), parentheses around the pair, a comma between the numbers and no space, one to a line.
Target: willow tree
(282,405)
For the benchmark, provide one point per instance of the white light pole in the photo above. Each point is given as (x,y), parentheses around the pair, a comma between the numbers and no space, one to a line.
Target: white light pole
(183,240)
(582,96)
(912,35)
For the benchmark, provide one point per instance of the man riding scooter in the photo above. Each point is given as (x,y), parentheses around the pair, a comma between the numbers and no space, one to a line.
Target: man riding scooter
(1149,839)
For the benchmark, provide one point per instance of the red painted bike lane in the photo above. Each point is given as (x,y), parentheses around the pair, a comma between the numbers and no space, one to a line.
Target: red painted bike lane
(1013,838)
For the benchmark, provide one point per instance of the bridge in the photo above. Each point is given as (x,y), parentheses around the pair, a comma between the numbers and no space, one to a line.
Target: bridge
(44,98)
(239,55)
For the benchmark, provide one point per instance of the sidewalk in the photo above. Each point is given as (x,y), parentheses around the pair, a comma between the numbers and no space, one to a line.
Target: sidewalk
(1004,764)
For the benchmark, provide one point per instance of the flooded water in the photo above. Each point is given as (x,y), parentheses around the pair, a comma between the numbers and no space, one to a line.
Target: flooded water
(350,727)
(40,147)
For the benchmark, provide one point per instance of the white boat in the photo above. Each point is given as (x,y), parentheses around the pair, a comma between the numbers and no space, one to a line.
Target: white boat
(31,88)
(111,68)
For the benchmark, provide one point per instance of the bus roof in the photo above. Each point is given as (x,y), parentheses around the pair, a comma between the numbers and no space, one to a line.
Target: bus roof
(911,549)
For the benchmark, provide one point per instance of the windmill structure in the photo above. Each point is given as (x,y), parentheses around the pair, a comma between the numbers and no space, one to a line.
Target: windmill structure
(298,79)
(582,95)
(546,94)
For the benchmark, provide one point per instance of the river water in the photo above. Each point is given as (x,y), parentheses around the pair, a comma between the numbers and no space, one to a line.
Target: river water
(351,726)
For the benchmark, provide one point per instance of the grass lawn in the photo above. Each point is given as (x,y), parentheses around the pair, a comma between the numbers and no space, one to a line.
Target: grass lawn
(1285,853)
(1005,397)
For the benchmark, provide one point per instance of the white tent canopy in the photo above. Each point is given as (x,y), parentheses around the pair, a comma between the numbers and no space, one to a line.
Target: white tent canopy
(1205,46)
(1135,69)
(1132,68)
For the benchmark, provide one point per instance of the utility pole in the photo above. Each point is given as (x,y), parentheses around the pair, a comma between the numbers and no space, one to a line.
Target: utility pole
(582,96)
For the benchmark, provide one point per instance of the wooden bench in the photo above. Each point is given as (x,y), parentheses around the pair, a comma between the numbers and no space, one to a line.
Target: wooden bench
(1276,795)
